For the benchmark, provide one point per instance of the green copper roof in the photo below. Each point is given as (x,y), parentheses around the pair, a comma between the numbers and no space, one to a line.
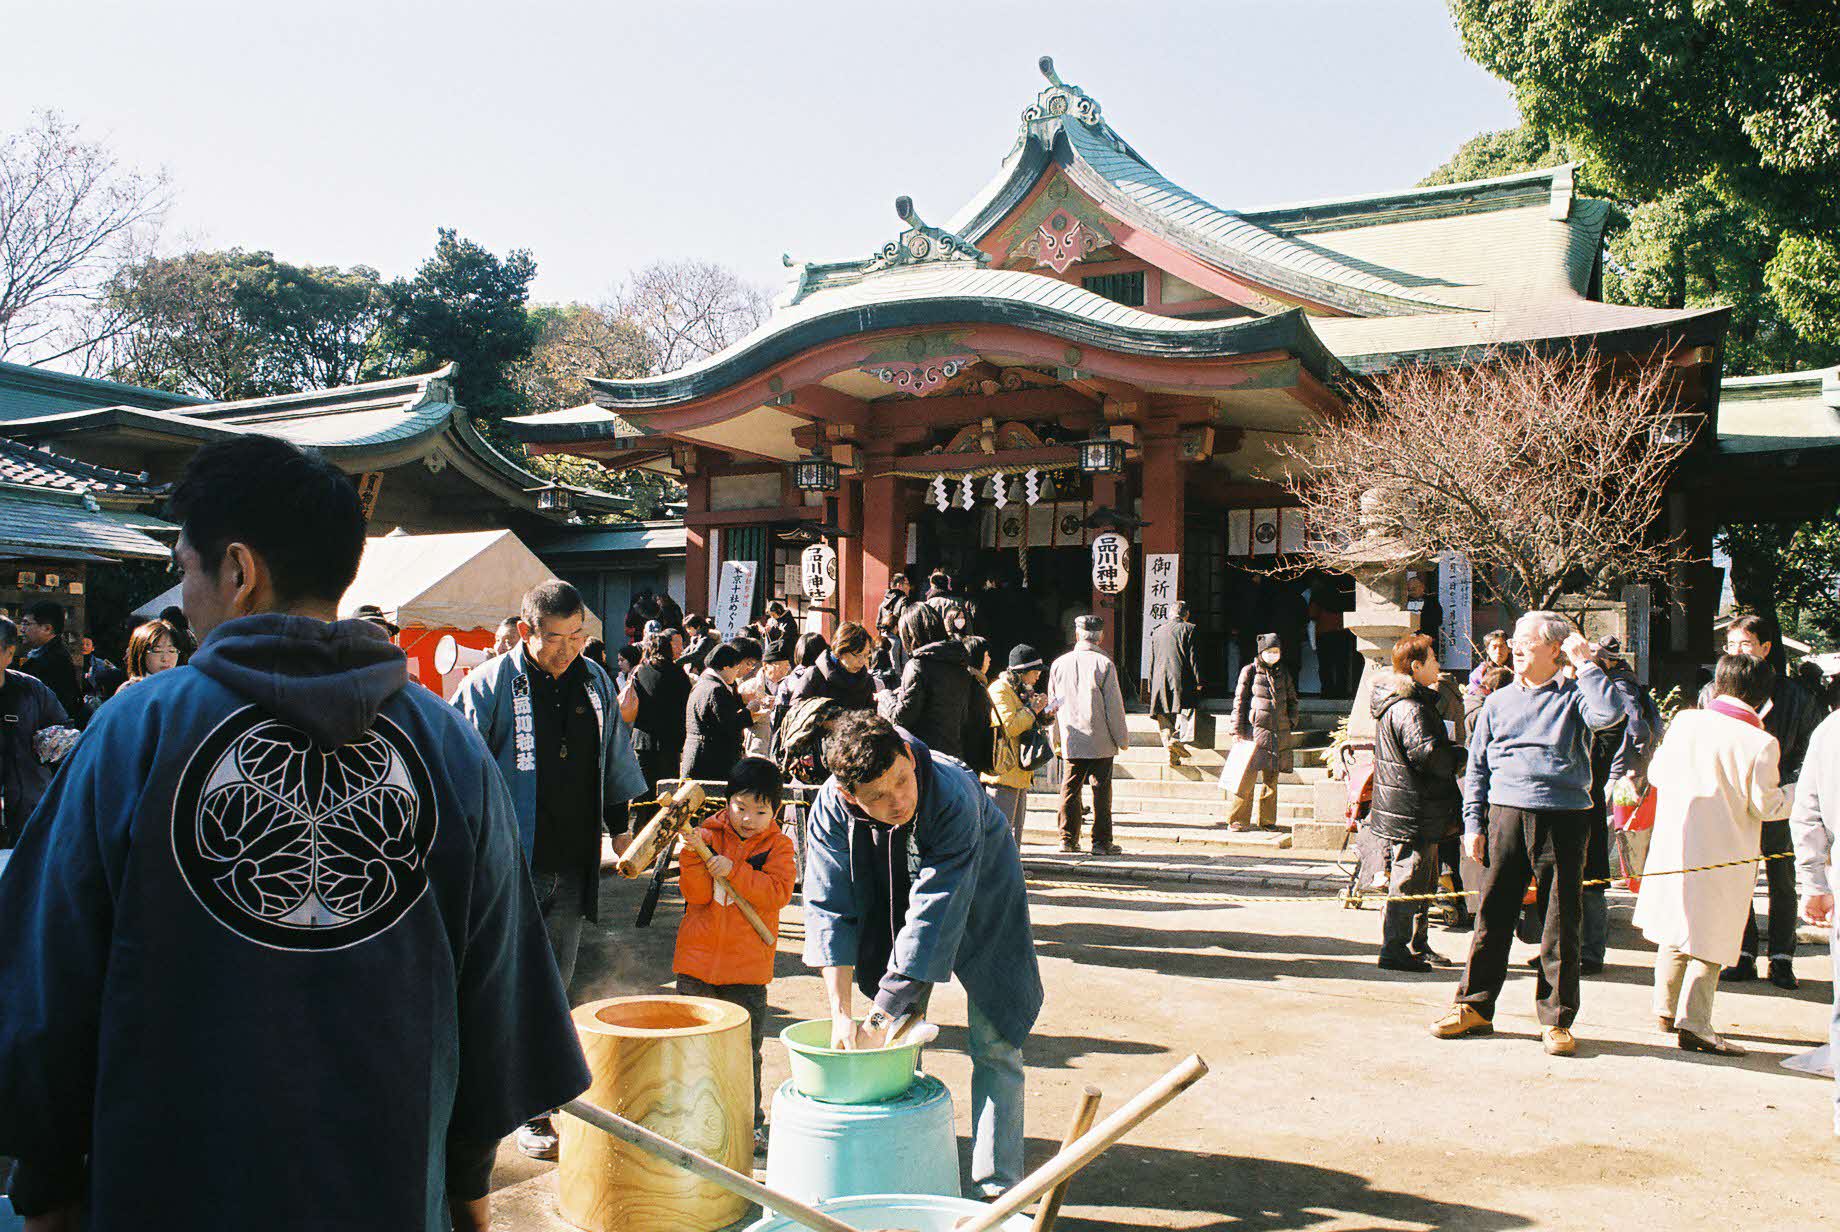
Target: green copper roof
(36,522)
(1780,411)
(27,392)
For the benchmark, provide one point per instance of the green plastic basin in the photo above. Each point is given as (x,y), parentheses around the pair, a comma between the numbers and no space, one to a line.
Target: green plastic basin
(833,1076)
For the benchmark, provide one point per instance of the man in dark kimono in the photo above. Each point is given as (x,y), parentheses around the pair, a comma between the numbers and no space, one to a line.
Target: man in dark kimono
(1175,681)
(272,957)
(48,657)
(873,924)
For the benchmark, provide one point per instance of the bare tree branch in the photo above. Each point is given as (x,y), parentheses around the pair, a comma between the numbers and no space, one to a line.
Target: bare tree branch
(1548,471)
(690,309)
(70,217)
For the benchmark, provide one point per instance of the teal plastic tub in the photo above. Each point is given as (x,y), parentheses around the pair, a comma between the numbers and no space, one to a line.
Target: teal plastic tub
(905,1145)
(919,1212)
(866,1076)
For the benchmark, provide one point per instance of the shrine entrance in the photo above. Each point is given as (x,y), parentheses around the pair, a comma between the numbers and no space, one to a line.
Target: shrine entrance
(1023,593)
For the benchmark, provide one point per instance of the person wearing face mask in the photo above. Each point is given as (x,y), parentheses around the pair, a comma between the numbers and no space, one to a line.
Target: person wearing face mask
(1527,814)
(1264,712)
(911,878)
(562,739)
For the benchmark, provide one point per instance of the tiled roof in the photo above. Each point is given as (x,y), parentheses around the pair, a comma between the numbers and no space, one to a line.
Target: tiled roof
(1377,343)
(35,524)
(27,392)
(40,468)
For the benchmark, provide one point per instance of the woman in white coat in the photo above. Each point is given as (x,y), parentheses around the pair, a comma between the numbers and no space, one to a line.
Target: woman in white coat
(1716,783)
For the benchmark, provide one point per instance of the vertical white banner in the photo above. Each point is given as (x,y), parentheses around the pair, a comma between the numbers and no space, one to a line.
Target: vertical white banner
(1161,573)
(735,597)
(1454,585)
(1637,604)
(712,554)
(1239,532)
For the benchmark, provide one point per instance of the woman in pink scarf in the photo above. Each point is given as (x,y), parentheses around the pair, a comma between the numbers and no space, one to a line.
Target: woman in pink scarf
(1716,783)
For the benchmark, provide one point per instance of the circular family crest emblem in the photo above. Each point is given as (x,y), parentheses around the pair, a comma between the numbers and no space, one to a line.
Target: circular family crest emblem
(300,848)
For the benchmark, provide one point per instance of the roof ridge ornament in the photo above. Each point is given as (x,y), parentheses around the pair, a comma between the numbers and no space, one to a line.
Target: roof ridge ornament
(921,244)
(1059,99)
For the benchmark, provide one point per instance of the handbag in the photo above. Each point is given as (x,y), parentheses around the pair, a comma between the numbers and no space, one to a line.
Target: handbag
(1238,771)
(1033,749)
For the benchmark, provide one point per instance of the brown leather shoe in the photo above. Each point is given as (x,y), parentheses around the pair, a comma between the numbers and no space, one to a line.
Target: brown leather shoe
(1462,1020)
(1558,1042)
(1712,1042)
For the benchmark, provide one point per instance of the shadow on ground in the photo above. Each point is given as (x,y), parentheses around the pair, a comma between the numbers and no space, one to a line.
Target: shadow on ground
(1161,1188)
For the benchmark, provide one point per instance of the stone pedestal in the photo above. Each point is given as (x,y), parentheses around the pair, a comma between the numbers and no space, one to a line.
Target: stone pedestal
(1378,621)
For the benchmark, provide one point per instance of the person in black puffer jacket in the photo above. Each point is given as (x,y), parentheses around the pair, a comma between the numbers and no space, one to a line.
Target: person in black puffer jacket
(940,702)
(1417,802)
(715,717)
(840,673)
(1265,713)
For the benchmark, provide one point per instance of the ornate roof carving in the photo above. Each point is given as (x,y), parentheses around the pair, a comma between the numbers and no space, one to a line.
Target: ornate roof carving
(921,243)
(1061,102)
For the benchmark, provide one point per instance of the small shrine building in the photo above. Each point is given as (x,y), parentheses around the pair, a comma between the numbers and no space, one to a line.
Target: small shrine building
(1086,342)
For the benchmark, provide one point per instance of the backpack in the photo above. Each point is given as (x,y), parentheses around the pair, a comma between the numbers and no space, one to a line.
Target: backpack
(800,739)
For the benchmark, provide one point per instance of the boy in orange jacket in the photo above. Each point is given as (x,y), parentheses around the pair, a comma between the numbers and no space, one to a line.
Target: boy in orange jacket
(718,952)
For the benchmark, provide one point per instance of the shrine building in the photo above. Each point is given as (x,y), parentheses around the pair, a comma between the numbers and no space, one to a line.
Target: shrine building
(1086,343)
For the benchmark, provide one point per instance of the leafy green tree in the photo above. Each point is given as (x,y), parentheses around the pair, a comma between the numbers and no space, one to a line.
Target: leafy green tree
(1738,97)
(468,305)
(241,324)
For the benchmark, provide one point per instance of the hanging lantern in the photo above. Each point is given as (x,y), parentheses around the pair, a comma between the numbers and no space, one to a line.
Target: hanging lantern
(1102,456)
(816,473)
(1111,561)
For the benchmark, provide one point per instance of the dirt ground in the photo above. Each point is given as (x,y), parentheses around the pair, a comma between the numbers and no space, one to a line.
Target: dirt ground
(1329,1107)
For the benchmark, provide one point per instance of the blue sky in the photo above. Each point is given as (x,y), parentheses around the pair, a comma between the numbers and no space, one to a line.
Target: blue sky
(604,136)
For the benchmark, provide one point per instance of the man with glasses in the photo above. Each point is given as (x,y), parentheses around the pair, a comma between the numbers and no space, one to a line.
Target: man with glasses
(1527,814)
(564,746)
(1790,715)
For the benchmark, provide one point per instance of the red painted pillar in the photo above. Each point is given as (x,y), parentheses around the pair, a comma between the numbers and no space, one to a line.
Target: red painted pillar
(850,599)
(696,546)
(1165,498)
(884,537)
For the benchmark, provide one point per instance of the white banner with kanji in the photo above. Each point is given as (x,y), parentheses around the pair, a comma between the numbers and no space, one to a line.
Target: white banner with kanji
(1161,571)
(735,597)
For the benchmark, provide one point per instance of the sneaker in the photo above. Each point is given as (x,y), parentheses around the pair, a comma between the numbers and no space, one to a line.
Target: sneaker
(1559,1042)
(1744,969)
(1107,849)
(537,1139)
(1433,957)
(1411,962)
(1462,1020)
(1782,974)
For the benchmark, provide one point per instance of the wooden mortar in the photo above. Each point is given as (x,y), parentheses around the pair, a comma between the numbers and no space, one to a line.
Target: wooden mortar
(682,1067)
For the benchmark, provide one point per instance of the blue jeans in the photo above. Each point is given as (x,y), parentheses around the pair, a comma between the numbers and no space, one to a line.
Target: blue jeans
(996,1105)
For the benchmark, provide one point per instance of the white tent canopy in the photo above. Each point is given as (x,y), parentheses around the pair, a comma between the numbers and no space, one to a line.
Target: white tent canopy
(467,580)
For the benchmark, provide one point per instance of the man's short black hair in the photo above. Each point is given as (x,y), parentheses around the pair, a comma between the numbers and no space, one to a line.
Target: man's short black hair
(9,633)
(551,600)
(861,748)
(1749,680)
(756,776)
(290,506)
(48,612)
(694,623)
(748,648)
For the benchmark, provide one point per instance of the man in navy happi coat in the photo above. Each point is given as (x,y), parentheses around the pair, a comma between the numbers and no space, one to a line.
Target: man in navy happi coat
(272,957)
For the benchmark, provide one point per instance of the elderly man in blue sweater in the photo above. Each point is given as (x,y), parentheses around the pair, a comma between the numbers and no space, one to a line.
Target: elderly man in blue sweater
(1527,814)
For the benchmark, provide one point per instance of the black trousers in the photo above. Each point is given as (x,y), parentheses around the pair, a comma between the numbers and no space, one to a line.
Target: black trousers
(1785,910)
(1546,846)
(1404,929)
(1098,772)
(753,999)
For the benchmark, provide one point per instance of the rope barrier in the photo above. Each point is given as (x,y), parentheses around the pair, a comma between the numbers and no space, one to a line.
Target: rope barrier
(1205,900)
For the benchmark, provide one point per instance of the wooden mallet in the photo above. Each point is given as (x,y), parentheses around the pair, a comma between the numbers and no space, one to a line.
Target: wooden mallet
(675,818)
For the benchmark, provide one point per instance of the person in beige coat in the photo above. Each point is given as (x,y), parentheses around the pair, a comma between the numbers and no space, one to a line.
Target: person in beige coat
(1083,687)
(1716,783)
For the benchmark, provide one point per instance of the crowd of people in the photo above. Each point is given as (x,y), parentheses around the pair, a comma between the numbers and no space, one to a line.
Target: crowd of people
(286,874)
